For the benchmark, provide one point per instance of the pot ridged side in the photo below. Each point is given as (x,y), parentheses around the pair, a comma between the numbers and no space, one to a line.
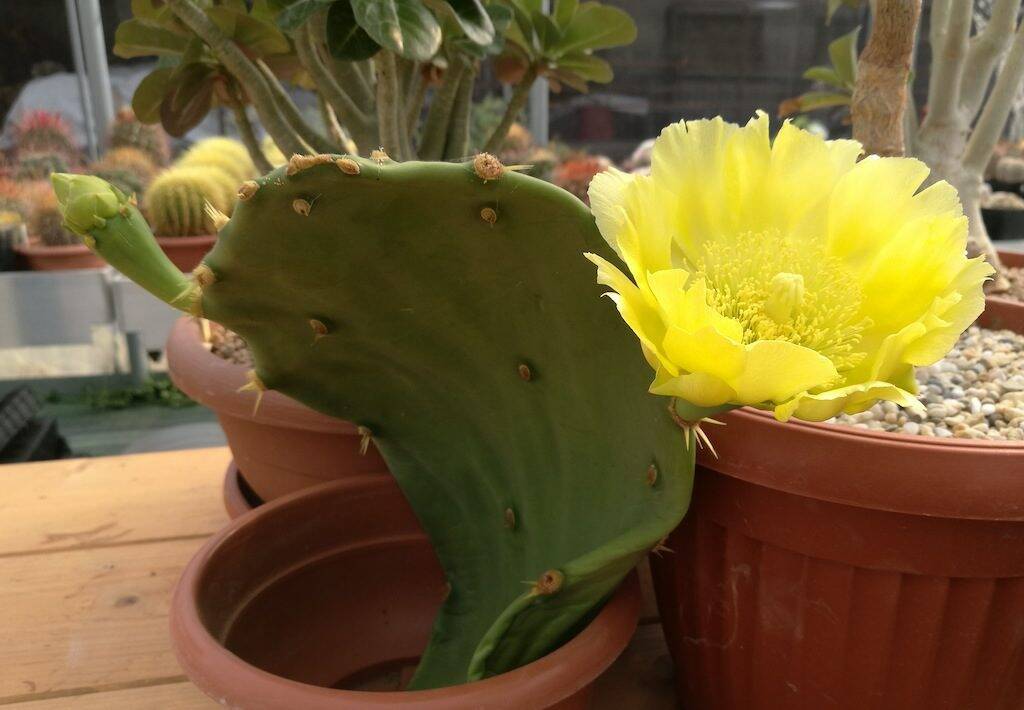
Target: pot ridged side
(768,604)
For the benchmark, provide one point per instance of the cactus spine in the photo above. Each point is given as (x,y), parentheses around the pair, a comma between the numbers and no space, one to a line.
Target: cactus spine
(44,132)
(39,166)
(509,401)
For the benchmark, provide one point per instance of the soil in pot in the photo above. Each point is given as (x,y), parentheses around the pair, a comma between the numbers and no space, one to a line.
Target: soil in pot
(279,447)
(319,597)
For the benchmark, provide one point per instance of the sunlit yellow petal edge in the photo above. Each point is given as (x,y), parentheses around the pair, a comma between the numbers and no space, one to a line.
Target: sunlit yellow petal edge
(785,274)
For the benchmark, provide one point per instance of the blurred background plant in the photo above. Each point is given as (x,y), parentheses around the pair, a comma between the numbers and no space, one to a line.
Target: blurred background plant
(396,74)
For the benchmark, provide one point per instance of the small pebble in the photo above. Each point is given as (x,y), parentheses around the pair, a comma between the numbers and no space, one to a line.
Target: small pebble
(975,392)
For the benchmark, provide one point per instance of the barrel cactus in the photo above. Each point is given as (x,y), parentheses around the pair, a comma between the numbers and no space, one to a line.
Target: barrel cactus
(176,200)
(39,166)
(43,132)
(448,310)
(225,154)
(128,132)
(135,161)
(46,222)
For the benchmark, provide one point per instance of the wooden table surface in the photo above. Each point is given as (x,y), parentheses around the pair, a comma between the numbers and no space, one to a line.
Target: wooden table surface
(90,550)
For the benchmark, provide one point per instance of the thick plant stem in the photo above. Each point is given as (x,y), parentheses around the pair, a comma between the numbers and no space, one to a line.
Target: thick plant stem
(414,106)
(986,49)
(879,97)
(457,145)
(247,74)
(248,136)
(344,107)
(948,62)
(435,130)
(388,103)
(515,105)
(317,142)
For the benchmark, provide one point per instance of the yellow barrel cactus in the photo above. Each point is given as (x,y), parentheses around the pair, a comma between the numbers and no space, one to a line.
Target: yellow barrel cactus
(785,274)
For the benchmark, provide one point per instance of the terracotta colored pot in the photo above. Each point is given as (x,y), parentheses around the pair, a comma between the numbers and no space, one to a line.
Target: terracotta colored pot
(831,567)
(333,588)
(39,257)
(186,252)
(1002,312)
(284,446)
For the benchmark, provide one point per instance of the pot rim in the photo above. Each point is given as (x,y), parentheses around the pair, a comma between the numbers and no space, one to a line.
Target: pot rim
(568,669)
(36,248)
(194,240)
(215,382)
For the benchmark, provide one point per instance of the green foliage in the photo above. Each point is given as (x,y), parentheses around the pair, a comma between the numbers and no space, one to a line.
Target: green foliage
(161,392)
(39,166)
(840,76)
(429,305)
(561,44)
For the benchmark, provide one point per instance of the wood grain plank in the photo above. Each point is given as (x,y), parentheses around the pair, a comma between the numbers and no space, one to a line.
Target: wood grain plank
(82,620)
(81,503)
(172,696)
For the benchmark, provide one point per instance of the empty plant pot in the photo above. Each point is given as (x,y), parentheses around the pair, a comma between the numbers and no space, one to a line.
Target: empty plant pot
(279,447)
(308,601)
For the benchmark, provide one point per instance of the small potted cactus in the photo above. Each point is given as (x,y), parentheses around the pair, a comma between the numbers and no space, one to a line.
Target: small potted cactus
(1007,174)
(50,246)
(1003,213)
(39,165)
(44,132)
(184,201)
(12,236)
(128,132)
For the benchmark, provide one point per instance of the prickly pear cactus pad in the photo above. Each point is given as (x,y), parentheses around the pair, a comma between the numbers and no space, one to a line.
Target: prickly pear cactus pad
(447,308)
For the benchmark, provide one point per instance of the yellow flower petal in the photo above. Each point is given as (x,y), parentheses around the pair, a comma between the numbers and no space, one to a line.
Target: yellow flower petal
(851,399)
(705,350)
(776,370)
(699,389)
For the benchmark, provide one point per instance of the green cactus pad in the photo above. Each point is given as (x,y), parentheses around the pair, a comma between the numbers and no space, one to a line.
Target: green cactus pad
(458,321)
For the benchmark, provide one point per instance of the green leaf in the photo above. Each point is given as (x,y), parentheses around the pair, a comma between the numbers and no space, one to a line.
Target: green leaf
(587,67)
(149,93)
(826,75)
(135,38)
(564,11)
(406,27)
(597,26)
(189,99)
(548,33)
(814,100)
(293,16)
(528,6)
(259,37)
(345,38)
(843,52)
(469,15)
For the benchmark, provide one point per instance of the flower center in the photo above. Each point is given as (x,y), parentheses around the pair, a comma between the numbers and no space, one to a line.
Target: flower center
(779,289)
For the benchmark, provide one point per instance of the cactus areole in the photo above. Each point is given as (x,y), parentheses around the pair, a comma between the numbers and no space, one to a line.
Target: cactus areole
(506,396)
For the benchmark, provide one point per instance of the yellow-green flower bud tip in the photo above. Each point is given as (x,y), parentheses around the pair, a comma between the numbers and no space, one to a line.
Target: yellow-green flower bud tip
(86,202)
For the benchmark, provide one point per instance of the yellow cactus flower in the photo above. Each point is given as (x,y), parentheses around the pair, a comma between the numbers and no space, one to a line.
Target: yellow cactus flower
(785,274)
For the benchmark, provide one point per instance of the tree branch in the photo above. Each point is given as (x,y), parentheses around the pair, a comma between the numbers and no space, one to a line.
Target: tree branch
(993,117)
(515,105)
(249,140)
(985,52)
(338,133)
(387,103)
(307,48)
(457,143)
(948,64)
(879,96)
(435,130)
(317,142)
(243,70)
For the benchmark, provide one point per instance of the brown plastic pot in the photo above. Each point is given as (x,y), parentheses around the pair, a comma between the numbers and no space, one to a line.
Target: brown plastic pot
(1003,312)
(39,257)
(282,447)
(186,252)
(336,587)
(822,566)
